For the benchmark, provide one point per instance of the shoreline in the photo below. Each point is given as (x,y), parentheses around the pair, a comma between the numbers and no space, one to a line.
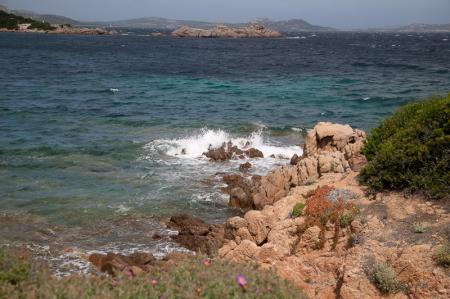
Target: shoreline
(318,259)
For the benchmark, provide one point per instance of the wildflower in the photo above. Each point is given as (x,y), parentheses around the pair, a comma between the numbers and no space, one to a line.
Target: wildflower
(198,290)
(114,283)
(241,280)
(154,282)
(129,273)
(207,262)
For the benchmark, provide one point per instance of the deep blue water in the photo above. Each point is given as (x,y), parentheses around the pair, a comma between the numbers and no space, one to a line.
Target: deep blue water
(72,151)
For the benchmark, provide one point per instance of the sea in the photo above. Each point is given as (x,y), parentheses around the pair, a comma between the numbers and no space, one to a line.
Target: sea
(102,137)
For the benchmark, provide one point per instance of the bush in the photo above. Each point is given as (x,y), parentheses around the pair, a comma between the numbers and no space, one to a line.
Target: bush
(41,26)
(383,276)
(411,150)
(196,277)
(14,268)
(442,255)
(297,211)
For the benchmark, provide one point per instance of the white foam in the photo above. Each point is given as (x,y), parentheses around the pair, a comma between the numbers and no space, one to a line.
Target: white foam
(193,147)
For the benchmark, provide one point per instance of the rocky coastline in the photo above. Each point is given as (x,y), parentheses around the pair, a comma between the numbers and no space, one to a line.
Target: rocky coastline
(221,31)
(317,227)
(63,29)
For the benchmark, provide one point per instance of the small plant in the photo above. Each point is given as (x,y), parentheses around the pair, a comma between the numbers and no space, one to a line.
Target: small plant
(383,276)
(419,228)
(297,211)
(346,218)
(442,255)
(353,239)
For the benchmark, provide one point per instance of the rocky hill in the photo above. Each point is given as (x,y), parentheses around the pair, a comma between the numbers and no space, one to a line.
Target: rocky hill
(52,19)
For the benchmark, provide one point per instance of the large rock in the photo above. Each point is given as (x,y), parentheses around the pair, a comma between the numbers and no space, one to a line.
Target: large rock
(328,137)
(221,31)
(197,235)
(113,264)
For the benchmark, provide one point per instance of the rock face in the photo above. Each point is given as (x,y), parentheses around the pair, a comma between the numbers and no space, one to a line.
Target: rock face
(252,31)
(197,235)
(329,148)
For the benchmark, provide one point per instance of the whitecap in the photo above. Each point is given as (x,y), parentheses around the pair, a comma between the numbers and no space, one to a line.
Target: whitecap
(114,90)
(193,147)
(366,98)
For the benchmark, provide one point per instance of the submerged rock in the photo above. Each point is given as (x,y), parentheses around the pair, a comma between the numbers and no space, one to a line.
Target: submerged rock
(230,151)
(246,166)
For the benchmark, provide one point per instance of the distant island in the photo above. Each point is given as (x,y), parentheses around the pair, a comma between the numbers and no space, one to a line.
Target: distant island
(252,31)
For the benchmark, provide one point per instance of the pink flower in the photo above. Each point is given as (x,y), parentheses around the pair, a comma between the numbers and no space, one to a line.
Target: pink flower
(241,280)
(207,262)
(129,273)
(154,282)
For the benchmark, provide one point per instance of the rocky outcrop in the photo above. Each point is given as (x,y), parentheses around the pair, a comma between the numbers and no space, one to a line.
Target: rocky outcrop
(220,31)
(330,261)
(329,148)
(82,31)
(197,235)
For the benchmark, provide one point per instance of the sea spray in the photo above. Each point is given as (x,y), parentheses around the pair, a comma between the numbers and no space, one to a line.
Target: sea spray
(193,147)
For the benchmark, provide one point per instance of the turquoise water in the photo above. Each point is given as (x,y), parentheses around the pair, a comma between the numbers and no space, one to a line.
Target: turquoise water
(77,153)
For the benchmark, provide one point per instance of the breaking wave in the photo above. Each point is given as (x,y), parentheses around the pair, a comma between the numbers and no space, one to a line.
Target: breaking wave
(193,147)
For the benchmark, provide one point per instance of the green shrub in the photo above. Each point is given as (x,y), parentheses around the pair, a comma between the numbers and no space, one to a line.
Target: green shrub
(193,278)
(41,26)
(442,255)
(13,268)
(383,276)
(411,150)
(297,211)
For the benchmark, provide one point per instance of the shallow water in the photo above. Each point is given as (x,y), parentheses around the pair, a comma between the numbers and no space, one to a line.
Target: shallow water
(92,127)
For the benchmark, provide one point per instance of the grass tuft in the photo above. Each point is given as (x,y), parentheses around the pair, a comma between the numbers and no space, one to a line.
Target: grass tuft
(442,255)
(383,276)
(297,211)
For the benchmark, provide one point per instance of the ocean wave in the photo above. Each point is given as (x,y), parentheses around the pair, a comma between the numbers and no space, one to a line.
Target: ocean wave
(193,147)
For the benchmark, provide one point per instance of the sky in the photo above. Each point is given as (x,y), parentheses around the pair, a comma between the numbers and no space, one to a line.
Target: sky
(343,14)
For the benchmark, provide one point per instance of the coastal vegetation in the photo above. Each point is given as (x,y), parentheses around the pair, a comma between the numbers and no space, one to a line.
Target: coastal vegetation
(196,277)
(11,22)
(411,150)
